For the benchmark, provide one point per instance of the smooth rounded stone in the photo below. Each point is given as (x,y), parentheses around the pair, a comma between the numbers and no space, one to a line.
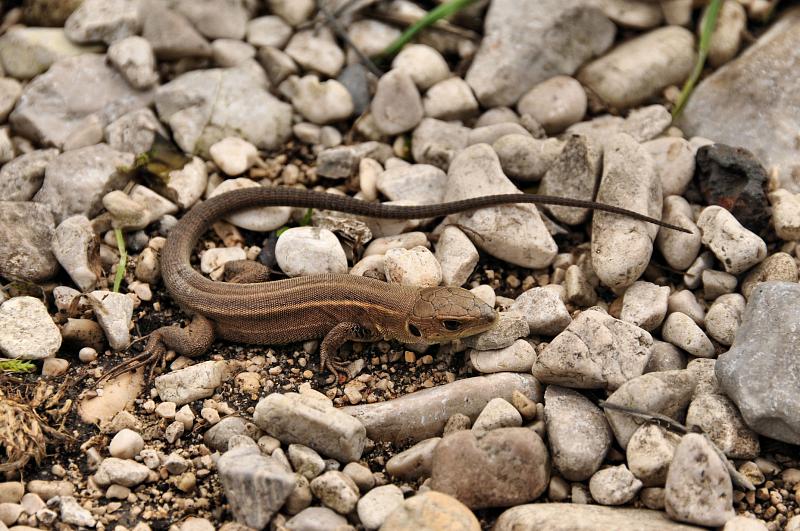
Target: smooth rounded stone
(296,418)
(649,453)
(574,174)
(262,219)
(412,267)
(641,67)
(645,304)
(451,99)
(54,367)
(456,255)
(543,310)
(126,444)
(503,467)
(703,371)
(716,283)
(22,177)
(9,512)
(775,267)
(735,247)
(621,246)
(425,65)
(370,37)
(371,266)
(498,413)
(577,431)
(667,393)
(25,249)
(202,107)
(11,492)
(421,415)
(652,498)
(113,313)
(674,161)
(685,302)
(745,523)
(321,102)
(665,357)
(529,42)
(26,52)
(316,519)
(231,52)
(269,31)
(596,351)
(309,251)
(680,330)
(336,490)
(316,50)
(256,486)
(133,58)
(507,329)
(125,472)
(233,155)
(727,35)
(378,504)
(431,511)
(632,13)
(517,357)
(192,383)
(28,331)
(489,134)
(698,488)
(306,461)
(421,183)
(361,475)
(526,158)
(584,517)
(397,106)
(485,293)
(760,371)
(724,317)
(413,463)
(678,248)
(785,213)
(716,415)
(295,12)
(614,485)
(76,181)
(10,91)
(103,20)
(515,233)
(436,142)
(555,103)
(407,240)
(497,115)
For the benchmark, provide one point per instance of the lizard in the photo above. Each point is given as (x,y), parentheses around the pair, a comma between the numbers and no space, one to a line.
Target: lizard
(333,307)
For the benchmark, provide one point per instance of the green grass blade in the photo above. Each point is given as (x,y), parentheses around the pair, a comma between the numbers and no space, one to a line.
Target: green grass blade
(16,366)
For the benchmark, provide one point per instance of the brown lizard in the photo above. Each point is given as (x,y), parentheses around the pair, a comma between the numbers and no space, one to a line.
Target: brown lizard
(335,307)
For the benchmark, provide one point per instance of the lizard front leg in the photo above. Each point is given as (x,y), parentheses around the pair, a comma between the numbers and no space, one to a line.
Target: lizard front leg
(338,336)
(245,272)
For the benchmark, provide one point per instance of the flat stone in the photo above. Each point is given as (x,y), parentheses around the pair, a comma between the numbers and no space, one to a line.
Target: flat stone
(28,331)
(431,511)
(25,252)
(125,472)
(295,418)
(529,42)
(192,383)
(517,357)
(421,415)
(760,371)
(504,467)
(56,109)
(650,452)
(717,416)
(415,462)
(113,311)
(578,433)
(749,102)
(316,519)
(583,517)
(574,174)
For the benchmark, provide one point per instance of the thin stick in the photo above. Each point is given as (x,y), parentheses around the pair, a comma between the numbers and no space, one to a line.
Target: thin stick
(123,260)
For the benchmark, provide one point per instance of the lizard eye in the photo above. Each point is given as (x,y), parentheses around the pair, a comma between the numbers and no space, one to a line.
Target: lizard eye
(414,330)
(452,325)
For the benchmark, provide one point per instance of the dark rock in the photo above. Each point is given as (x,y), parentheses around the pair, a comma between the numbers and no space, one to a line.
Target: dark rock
(355,78)
(734,179)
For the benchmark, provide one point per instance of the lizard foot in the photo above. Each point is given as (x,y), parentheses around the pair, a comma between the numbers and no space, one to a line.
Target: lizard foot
(153,354)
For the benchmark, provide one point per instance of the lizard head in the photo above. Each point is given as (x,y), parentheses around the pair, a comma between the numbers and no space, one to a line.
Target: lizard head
(445,313)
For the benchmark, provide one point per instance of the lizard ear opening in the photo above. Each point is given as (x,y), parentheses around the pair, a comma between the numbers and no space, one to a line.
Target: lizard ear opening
(414,331)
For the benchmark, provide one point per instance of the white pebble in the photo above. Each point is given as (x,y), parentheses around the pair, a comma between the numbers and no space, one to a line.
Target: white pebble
(555,103)
(424,64)
(736,247)
(309,251)
(412,267)
(680,330)
(645,305)
(233,155)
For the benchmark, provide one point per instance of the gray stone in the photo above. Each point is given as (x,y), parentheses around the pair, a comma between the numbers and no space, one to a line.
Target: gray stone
(717,416)
(134,132)
(415,462)
(268,31)
(421,183)
(582,517)
(217,19)
(232,52)
(25,252)
(319,102)
(645,304)
(73,101)
(378,504)
(26,330)
(526,158)
(171,35)
(574,174)
(256,486)
(134,59)
(614,485)
(396,106)
(295,418)
(220,434)
(595,351)
(113,311)
(71,512)
(316,519)
(451,99)
(103,20)
(578,433)
(316,50)
(192,383)
(424,64)
(27,52)
(421,415)
(437,142)
(751,101)
(508,328)
(489,134)
(528,42)
(649,453)
(761,371)
(517,357)
(543,310)
(125,472)
(203,107)
(10,91)
(74,244)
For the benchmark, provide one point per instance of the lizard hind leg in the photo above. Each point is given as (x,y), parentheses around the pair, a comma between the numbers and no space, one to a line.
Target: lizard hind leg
(191,341)
(338,336)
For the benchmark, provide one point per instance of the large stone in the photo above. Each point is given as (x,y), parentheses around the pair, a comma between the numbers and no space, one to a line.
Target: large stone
(422,415)
(27,52)
(205,106)
(582,517)
(26,330)
(753,101)
(527,42)
(761,371)
(504,467)
(70,105)
(25,252)
(103,21)
(431,511)
(21,178)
